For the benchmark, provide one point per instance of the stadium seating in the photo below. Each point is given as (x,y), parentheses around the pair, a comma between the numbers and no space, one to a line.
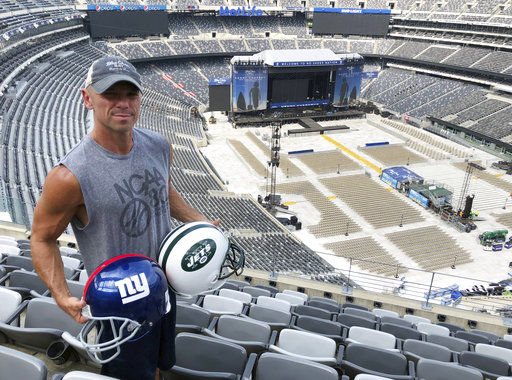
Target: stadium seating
(416,349)
(435,370)
(490,366)
(200,356)
(306,345)
(362,359)
(254,336)
(18,365)
(272,365)
(44,324)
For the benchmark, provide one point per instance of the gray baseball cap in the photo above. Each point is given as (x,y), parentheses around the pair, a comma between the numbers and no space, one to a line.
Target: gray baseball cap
(106,71)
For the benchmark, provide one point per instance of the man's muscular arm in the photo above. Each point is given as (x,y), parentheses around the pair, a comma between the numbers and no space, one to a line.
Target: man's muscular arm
(59,202)
(181,210)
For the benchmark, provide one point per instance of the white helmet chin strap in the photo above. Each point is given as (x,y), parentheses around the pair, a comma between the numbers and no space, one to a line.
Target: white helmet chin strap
(93,350)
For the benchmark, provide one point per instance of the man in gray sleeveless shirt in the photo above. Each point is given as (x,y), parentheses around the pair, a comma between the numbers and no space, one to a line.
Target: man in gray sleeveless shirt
(114,188)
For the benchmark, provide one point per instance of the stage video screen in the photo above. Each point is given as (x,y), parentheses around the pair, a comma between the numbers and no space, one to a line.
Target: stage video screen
(128,23)
(289,88)
(351,24)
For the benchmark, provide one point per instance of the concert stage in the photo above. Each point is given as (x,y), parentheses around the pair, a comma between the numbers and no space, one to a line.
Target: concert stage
(248,120)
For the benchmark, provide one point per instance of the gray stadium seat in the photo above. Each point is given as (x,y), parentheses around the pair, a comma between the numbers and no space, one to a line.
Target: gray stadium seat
(203,357)
(450,342)
(44,324)
(312,312)
(3,271)
(9,250)
(429,329)
(230,286)
(276,366)
(306,345)
(276,319)
(191,318)
(414,319)
(252,335)
(359,359)
(28,284)
(239,284)
(83,277)
(453,328)
(297,294)
(494,351)
(400,332)
(416,349)
(396,321)
(18,262)
(18,365)
(504,343)
(272,289)
(360,313)
(348,321)
(76,288)
(291,298)
(350,304)
(492,337)
(435,370)
(273,303)
(490,366)
(385,313)
(10,301)
(472,337)
(370,337)
(330,329)
(329,306)
(246,298)
(218,305)
(324,299)
(256,292)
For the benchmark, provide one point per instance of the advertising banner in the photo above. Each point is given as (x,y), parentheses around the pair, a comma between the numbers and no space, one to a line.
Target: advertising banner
(249,88)
(389,180)
(370,74)
(347,86)
(418,198)
(309,103)
(125,7)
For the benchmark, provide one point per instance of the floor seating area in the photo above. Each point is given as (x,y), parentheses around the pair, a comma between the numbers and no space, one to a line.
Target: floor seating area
(328,162)
(333,221)
(373,202)
(430,247)
(285,164)
(394,155)
(367,249)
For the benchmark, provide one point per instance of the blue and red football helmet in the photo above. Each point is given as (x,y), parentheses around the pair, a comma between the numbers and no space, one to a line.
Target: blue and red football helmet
(130,293)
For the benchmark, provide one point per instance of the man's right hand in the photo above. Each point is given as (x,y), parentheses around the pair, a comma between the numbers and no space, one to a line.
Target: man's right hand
(73,306)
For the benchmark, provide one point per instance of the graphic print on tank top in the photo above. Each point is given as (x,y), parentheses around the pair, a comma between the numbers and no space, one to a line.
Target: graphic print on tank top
(142,195)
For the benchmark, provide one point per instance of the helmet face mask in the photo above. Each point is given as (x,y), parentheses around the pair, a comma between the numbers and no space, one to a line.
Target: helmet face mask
(234,263)
(197,258)
(126,295)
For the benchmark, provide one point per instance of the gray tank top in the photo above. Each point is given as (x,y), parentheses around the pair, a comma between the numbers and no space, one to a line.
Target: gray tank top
(126,197)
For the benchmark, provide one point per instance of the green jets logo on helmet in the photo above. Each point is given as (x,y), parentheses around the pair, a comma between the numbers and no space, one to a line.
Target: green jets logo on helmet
(198,255)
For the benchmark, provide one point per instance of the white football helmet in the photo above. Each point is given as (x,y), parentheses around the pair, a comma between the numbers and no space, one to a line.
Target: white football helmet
(197,257)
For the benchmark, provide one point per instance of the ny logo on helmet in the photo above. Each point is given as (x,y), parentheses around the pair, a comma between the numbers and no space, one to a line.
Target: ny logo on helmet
(133,288)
